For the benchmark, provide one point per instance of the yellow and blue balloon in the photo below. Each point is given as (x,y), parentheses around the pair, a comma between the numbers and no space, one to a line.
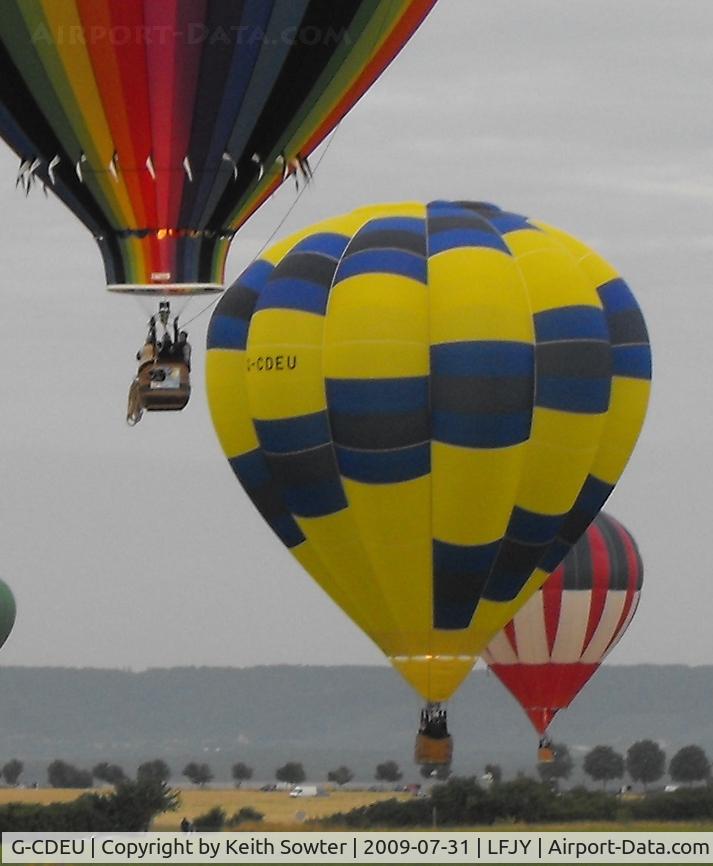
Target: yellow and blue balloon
(429,404)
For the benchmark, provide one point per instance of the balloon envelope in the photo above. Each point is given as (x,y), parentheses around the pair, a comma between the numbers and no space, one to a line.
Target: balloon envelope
(557,641)
(7,611)
(429,404)
(164,124)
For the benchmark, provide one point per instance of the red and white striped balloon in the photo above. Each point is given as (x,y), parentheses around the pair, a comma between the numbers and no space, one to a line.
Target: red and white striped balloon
(557,641)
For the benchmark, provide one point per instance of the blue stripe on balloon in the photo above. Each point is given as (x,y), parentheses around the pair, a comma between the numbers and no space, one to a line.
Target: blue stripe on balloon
(251,469)
(505,586)
(506,222)
(571,323)
(554,555)
(529,527)
(459,575)
(227,332)
(453,238)
(324,243)
(576,394)
(253,472)
(293,294)
(399,224)
(480,430)
(592,496)
(315,500)
(375,396)
(255,275)
(473,212)
(632,361)
(483,358)
(287,435)
(385,467)
(616,296)
(462,560)
(379,261)
(287,530)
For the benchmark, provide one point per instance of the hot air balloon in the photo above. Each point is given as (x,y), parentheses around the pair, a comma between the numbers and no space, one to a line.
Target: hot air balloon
(164,124)
(7,611)
(429,404)
(556,642)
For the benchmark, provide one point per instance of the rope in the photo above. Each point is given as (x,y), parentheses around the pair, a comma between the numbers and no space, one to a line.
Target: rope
(277,227)
(134,409)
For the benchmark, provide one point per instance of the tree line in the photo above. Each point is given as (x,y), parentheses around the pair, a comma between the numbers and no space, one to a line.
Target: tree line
(644,763)
(62,774)
(463,802)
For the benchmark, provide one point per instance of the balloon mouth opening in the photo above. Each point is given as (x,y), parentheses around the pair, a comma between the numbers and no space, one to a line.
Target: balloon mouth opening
(158,289)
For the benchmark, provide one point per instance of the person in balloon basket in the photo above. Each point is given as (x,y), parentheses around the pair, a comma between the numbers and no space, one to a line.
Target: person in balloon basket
(148,352)
(182,349)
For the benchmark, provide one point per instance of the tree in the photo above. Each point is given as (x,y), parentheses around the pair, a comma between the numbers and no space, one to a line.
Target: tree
(495,772)
(12,771)
(112,774)
(129,808)
(690,764)
(153,771)
(135,804)
(292,772)
(241,773)
(603,764)
(387,772)
(341,775)
(560,768)
(245,815)
(211,821)
(197,773)
(63,775)
(645,761)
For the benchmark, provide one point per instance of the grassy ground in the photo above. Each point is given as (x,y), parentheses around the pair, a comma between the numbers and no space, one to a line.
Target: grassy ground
(280,810)
(284,812)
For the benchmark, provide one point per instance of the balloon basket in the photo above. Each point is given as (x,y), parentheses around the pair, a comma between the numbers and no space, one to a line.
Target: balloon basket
(433,752)
(545,755)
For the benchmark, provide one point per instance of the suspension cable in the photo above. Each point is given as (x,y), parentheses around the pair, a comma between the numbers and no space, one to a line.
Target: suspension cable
(277,227)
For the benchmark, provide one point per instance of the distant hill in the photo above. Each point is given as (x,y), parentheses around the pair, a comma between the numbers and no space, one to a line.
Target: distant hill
(322,716)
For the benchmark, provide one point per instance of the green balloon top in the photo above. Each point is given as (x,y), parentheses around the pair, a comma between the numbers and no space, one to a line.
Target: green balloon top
(7,611)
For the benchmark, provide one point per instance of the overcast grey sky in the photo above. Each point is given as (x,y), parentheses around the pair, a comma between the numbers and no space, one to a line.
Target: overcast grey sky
(137,548)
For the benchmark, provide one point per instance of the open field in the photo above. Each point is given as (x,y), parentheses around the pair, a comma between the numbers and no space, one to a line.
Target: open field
(281,810)
(277,806)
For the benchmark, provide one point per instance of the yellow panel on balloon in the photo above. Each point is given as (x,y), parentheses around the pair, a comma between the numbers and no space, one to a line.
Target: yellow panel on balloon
(477,294)
(434,678)
(554,280)
(394,521)
(284,364)
(627,409)
(591,263)
(308,557)
(377,327)
(349,570)
(561,451)
(229,402)
(459,517)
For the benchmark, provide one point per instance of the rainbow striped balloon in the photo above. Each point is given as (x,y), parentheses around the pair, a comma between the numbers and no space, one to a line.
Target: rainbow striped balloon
(164,124)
